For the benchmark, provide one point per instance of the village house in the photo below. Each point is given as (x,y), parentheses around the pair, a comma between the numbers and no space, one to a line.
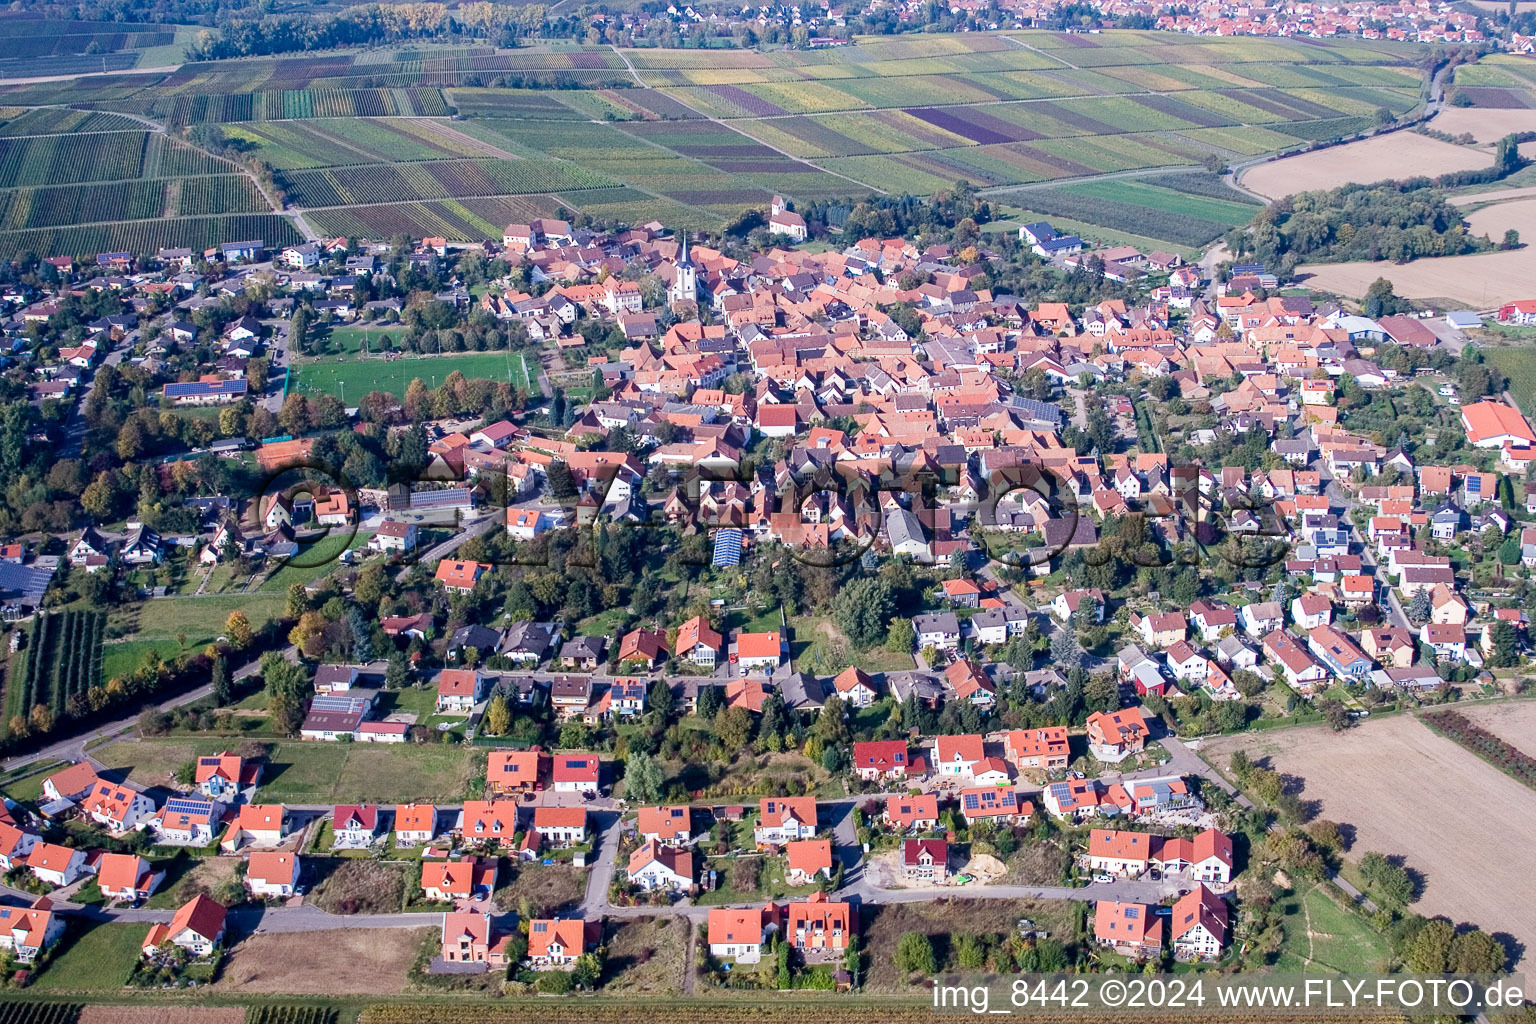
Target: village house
(197,927)
(272,874)
(783,819)
(1114,736)
(554,944)
(127,877)
(925,861)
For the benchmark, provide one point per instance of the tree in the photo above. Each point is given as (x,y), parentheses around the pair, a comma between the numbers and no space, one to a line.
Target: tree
(900,636)
(1065,652)
(1429,951)
(588,970)
(914,954)
(1477,952)
(1387,881)
(970,952)
(709,702)
(1504,640)
(660,700)
(1336,714)
(1102,693)
(1509,551)
(396,675)
(220,674)
(832,724)
(863,611)
(734,727)
(498,717)
(642,779)
(1511,239)
(1420,607)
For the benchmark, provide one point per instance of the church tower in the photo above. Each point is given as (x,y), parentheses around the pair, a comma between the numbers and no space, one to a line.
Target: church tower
(685,282)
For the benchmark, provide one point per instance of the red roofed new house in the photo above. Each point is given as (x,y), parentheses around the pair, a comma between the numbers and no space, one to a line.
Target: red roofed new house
(1037,748)
(925,860)
(782,819)
(1120,853)
(807,858)
(1494,424)
(666,825)
(994,803)
(577,773)
(272,874)
(458,690)
(1130,929)
(740,933)
(1115,736)
(460,575)
(958,756)
(489,821)
(913,813)
(555,944)
(447,880)
(197,927)
(221,775)
(125,876)
(758,651)
(561,826)
(881,759)
(508,772)
(1198,926)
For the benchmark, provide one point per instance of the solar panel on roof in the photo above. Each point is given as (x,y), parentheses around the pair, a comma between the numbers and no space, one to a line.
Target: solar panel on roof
(727,548)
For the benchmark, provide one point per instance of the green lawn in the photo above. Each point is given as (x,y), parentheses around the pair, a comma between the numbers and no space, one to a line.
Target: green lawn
(122,659)
(1321,934)
(93,958)
(313,560)
(320,772)
(352,378)
(349,338)
(199,618)
(28,787)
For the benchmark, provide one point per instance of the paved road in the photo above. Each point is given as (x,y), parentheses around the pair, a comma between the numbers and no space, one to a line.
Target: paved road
(74,430)
(73,748)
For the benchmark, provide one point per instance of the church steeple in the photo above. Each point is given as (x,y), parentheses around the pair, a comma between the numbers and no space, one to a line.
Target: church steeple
(685,279)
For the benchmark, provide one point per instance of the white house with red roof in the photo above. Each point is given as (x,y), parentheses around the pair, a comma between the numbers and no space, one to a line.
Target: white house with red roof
(458,690)
(576,773)
(785,818)
(958,756)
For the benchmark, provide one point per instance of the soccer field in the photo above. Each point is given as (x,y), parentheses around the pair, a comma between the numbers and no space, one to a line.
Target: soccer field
(351,378)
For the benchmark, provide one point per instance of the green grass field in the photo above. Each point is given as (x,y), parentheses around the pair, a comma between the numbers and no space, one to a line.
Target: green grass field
(199,619)
(94,958)
(320,772)
(1322,935)
(351,378)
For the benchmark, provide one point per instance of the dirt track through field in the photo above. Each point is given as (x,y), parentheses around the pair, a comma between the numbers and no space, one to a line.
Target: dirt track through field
(1467,827)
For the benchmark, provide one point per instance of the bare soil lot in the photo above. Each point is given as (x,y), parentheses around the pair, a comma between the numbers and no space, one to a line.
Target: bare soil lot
(1515,723)
(1480,281)
(358,961)
(1399,155)
(1468,828)
(1486,125)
